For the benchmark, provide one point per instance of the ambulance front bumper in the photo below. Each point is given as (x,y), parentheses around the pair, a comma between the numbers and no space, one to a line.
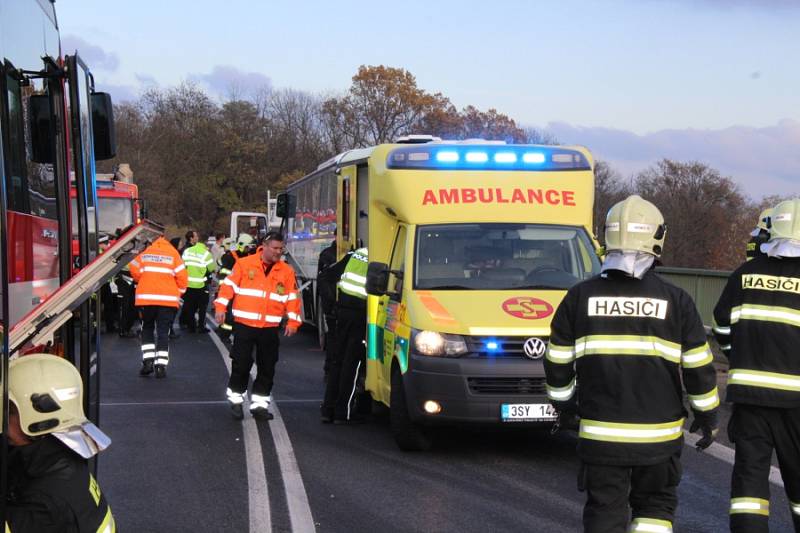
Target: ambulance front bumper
(477,390)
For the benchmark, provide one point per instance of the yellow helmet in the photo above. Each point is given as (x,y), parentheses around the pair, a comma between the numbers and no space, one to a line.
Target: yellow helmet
(764,219)
(785,220)
(48,393)
(244,242)
(635,225)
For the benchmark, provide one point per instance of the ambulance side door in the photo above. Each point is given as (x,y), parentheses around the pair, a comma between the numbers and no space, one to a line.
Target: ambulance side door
(395,326)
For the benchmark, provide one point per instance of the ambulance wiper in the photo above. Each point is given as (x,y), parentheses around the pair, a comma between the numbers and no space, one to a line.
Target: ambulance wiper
(448,288)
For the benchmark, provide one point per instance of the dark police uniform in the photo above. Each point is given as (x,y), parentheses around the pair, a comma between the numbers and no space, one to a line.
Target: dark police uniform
(618,350)
(757,323)
(52,490)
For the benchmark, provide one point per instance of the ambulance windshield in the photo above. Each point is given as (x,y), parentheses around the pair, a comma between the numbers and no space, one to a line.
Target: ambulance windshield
(502,256)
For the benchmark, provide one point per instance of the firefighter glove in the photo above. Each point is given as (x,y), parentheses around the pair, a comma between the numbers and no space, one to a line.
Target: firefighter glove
(708,427)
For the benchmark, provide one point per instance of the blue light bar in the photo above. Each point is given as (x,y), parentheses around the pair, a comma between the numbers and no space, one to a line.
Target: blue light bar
(492,346)
(434,156)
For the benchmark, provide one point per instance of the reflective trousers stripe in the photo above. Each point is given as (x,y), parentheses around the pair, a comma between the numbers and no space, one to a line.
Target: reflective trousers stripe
(768,380)
(162,358)
(651,525)
(234,397)
(795,506)
(107,525)
(257,401)
(750,506)
(634,433)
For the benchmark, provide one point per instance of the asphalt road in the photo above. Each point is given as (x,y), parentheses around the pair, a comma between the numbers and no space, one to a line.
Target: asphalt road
(179,462)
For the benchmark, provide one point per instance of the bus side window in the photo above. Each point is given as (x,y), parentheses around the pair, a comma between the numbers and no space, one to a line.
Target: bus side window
(397,265)
(14,148)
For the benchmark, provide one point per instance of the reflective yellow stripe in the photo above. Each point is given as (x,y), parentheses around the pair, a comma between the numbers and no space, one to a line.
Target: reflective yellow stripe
(651,525)
(94,490)
(795,507)
(633,433)
(750,506)
(561,393)
(8,529)
(627,345)
(107,525)
(560,354)
(766,313)
(705,402)
(697,357)
(767,380)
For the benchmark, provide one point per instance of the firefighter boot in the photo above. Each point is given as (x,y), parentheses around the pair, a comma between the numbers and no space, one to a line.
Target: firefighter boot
(147,368)
(161,371)
(237,411)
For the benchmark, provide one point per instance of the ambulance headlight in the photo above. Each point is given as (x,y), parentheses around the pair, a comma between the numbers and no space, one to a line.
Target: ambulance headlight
(437,344)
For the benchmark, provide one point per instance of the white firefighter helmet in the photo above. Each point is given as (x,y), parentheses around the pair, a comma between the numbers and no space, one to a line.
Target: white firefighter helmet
(245,241)
(785,221)
(228,242)
(48,393)
(635,225)
(764,219)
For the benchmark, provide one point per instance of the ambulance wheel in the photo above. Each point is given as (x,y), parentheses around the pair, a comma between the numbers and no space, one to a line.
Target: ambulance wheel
(409,436)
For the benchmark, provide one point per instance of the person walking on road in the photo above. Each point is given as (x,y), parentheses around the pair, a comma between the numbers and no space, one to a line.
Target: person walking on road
(50,484)
(263,291)
(349,276)
(161,280)
(200,265)
(620,345)
(757,323)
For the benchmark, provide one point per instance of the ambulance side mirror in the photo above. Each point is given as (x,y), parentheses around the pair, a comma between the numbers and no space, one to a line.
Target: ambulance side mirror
(377,278)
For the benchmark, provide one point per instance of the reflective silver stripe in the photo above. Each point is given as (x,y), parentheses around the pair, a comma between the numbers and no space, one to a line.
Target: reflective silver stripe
(561,393)
(253,292)
(278,297)
(194,264)
(148,347)
(160,270)
(705,402)
(619,432)
(722,330)
(347,286)
(246,314)
(725,347)
(134,263)
(293,316)
(292,296)
(783,315)
(179,268)
(795,507)
(560,354)
(651,525)
(355,277)
(697,357)
(258,401)
(146,356)
(197,280)
(750,506)
(634,347)
(273,318)
(770,380)
(222,301)
(227,281)
(157,297)
(234,397)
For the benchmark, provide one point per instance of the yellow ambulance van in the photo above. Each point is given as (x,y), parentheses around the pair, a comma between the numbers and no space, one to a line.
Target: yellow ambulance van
(472,245)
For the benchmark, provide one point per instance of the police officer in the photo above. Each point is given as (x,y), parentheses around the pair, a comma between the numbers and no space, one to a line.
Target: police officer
(757,323)
(242,247)
(759,235)
(620,344)
(327,257)
(50,487)
(263,291)
(348,359)
(200,265)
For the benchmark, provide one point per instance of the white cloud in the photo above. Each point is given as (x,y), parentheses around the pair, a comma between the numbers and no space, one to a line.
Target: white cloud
(764,161)
(228,81)
(94,56)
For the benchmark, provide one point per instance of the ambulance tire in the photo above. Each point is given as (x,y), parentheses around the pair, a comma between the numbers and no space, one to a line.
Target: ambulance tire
(409,436)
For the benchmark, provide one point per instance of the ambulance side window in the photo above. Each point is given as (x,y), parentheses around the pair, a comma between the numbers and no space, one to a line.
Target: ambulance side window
(398,264)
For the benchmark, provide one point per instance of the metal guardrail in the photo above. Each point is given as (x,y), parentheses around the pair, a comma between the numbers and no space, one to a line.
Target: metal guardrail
(704,286)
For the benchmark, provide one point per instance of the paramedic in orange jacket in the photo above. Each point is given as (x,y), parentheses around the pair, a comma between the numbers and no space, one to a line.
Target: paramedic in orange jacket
(263,291)
(161,279)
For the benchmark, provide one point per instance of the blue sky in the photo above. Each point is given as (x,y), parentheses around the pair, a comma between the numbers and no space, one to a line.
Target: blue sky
(635,81)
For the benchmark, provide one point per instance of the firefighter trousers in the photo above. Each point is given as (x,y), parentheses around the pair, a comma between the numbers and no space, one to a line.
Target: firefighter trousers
(615,494)
(266,343)
(345,365)
(156,320)
(195,304)
(757,431)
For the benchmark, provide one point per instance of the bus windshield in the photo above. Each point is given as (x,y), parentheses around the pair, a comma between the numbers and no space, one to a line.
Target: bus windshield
(502,256)
(113,214)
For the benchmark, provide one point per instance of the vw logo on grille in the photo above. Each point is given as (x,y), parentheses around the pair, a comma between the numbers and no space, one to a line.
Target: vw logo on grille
(534,348)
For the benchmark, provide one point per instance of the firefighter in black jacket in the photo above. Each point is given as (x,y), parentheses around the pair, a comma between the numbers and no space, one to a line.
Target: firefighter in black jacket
(620,343)
(757,323)
(50,486)
(759,235)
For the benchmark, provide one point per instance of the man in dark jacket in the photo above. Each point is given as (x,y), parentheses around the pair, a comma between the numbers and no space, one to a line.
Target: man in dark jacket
(50,486)
(621,344)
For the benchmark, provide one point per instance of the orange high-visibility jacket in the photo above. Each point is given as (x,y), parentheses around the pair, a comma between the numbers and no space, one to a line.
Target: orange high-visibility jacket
(160,275)
(260,301)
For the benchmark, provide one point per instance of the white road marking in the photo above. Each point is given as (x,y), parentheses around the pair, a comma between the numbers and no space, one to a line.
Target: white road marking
(296,498)
(723,453)
(257,491)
